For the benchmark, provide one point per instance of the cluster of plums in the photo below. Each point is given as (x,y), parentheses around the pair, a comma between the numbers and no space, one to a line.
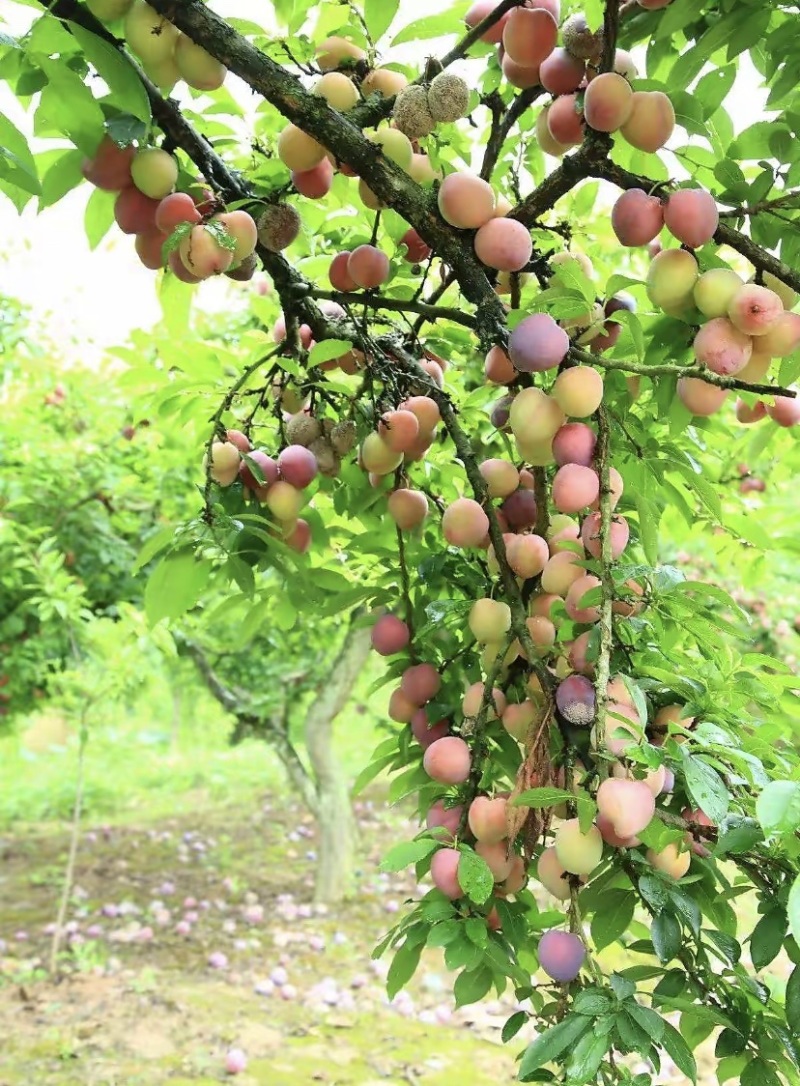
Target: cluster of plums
(744,326)
(530,56)
(313,447)
(167,56)
(148,207)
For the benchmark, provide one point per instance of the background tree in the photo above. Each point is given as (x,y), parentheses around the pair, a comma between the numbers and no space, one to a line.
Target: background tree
(574,709)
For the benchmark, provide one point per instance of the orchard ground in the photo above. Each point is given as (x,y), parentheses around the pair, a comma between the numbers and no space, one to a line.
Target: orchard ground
(183,821)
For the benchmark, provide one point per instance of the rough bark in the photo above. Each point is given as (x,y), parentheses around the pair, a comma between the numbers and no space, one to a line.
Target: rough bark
(337,827)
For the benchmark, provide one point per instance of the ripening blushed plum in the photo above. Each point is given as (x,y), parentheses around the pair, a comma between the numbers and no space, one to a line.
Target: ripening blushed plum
(425,732)
(535,416)
(758,366)
(610,835)
(518,75)
(444,872)
(448,760)
(577,609)
(339,276)
(637,218)
(578,657)
(561,73)
(315,183)
(548,143)
(135,213)
(543,634)
(714,290)
(517,719)
(503,244)
(487,819)
(489,620)
(551,874)
(465,524)
(110,167)
(561,955)
(754,309)
(338,90)
(420,683)
(284,501)
(784,410)
(516,879)
(519,508)
(628,804)
(721,347)
(473,696)
(498,367)
(691,216)
(574,488)
(623,728)
(479,11)
(447,817)
(377,457)
(202,253)
(578,391)
(565,121)
(148,248)
(574,443)
(670,860)
(417,249)
(407,508)
(390,635)
(502,477)
(560,572)
(651,121)
(527,555)
(225,462)
(297,150)
(497,859)
(399,429)
(782,337)
(401,709)
(747,414)
(699,397)
(466,201)
(368,267)
(530,36)
(607,102)
(619,533)
(265,464)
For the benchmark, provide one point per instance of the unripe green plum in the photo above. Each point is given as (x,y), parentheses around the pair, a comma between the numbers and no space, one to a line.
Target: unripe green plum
(395,146)
(202,254)
(537,343)
(534,416)
(377,457)
(420,683)
(390,635)
(148,34)
(487,819)
(197,67)
(225,462)
(628,804)
(336,52)
(574,488)
(518,718)
(699,397)
(448,760)
(670,860)
(637,217)
(502,478)
(407,508)
(338,91)
(527,555)
(607,102)
(503,244)
(578,391)
(466,201)
(444,872)
(691,216)
(383,81)
(284,501)
(561,73)
(164,73)
(577,610)
(465,524)
(489,620)
(758,366)
(671,280)
(552,875)
(108,11)
(755,310)
(651,121)
(560,572)
(368,267)
(722,347)
(496,856)
(578,853)
(561,955)
(714,290)
(783,290)
(299,151)
(529,36)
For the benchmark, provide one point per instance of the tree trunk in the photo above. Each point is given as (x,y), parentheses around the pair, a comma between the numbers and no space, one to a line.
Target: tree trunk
(337,827)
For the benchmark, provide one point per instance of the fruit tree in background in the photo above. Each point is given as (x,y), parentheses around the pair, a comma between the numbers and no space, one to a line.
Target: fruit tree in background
(486,383)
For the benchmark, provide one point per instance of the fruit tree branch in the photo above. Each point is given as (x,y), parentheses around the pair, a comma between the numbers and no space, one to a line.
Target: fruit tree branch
(397,305)
(603,667)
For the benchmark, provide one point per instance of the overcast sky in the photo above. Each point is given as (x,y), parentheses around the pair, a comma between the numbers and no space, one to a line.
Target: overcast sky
(90,300)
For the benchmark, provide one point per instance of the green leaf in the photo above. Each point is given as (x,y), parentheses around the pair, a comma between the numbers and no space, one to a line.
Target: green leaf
(679,1052)
(127,89)
(404,965)
(472,985)
(175,586)
(665,932)
(542,797)
(650,1022)
(793,909)
(706,788)
(591,1001)
(586,1057)
(792,1001)
(432,26)
(327,350)
(550,1045)
(67,104)
(408,852)
(767,938)
(99,216)
(512,1026)
(613,918)
(378,15)
(702,487)
(474,876)
(778,807)
(17,164)
(759,1073)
